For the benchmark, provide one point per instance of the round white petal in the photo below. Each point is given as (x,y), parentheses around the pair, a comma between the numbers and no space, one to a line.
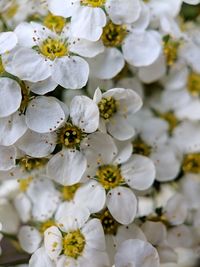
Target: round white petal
(7,157)
(118,203)
(12,128)
(37,144)
(155,232)
(107,64)
(10,96)
(84,113)
(44,114)
(8,41)
(23,206)
(29,238)
(67,167)
(123,11)
(40,258)
(53,242)
(139,172)
(62,8)
(42,87)
(142,49)
(70,72)
(125,150)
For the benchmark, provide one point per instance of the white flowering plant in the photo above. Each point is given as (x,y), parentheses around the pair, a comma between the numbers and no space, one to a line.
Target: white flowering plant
(99,133)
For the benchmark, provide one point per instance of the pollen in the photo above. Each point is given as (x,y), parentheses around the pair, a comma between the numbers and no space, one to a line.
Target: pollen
(191,163)
(68,192)
(70,136)
(45,225)
(54,23)
(1,67)
(170,49)
(29,164)
(141,148)
(171,119)
(113,35)
(25,97)
(11,11)
(93,3)
(24,184)
(107,107)
(109,176)
(193,84)
(73,244)
(53,48)
(109,224)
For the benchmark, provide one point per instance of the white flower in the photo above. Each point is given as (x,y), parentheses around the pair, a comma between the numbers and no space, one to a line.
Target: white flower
(115,106)
(113,170)
(51,57)
(8,40)
(77,245)
(137,253)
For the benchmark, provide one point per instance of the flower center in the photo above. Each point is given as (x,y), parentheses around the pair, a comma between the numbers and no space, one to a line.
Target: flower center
(109,176)
(191,163)
(29,164)
(193,84)
(107,107)
(109,224)
(24,184)
(53,48)
(68,192)
(11,11)
(73,244)
(70,136)
(93,3)
(113,35)
(141,148)
(25,97)
(170,49)
(45,225)
(170,118)
(1,66)
(54,23)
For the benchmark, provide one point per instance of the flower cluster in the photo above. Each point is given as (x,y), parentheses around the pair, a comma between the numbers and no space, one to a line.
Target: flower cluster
(99,133)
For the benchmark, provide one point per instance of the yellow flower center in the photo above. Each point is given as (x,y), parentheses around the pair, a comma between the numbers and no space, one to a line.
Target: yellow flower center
(109,176)
(191,163)
(73,244)
(140,147)
(53,48)
(24,183)
(70,136)
(11,11)
(109,224)
(28,164)
(107,107)
(45,225)
(68,192)
(113,35)
(171,119)
(1,66)
(170,49)
(93,3)
(193,84)
(54,23)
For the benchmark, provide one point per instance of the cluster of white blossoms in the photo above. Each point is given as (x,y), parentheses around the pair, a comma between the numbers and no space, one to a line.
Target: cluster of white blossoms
(99,133)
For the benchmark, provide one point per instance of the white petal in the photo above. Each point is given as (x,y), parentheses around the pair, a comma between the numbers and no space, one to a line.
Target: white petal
(120,128)
(121,11)
(91,190)
(12,128)
(94,234)
(118,203)
(87,23)
(70,72)
(10,96)
(40,258)
(37,144)
(29,65)
(176,209)
(7,157)
(84,113)
(42,87)
(139,172)
(29,238)
(142,49)
(70,173)
(125,150)
(71,216)
(8,41)
(136,253)
(155,232)
(107,64)
(62,8)
(23,206)
(44,114)
(53,242)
